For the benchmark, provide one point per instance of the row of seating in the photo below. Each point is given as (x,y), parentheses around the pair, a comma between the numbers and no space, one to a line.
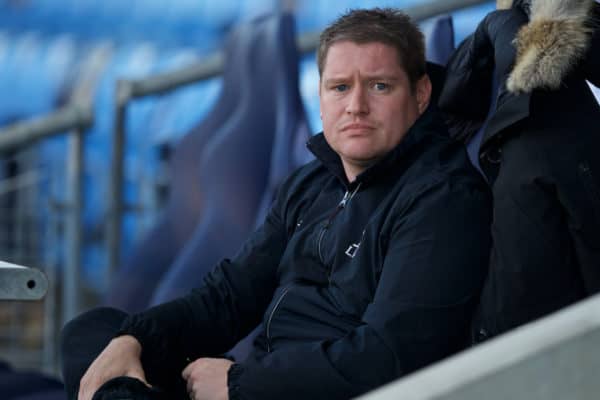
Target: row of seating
(168,23)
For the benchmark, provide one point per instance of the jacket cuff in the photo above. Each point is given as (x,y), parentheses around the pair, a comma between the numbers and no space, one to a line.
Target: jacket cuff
(140,328)
(153,349)
(233,381)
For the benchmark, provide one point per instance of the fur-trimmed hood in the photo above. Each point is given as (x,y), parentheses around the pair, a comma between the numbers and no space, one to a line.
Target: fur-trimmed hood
(554,40)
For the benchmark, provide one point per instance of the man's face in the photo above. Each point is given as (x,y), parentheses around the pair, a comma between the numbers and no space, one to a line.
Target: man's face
(366,101)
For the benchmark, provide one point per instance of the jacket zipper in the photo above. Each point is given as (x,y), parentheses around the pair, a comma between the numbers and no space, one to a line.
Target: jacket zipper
(271,317)
(341,205)
(327,224)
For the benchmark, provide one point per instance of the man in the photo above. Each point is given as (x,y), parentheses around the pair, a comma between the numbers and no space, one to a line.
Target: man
(367,267)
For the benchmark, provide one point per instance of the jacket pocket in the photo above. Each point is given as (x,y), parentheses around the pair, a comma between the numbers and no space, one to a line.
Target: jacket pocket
(271,314)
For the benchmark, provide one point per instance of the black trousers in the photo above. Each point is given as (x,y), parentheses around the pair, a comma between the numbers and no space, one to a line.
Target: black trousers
(29,385)
(84,338)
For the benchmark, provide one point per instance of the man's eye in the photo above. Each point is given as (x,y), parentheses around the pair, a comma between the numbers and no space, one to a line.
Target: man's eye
(380,86)
(340,88)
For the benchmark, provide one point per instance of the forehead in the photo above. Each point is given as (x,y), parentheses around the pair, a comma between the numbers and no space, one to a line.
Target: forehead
(372,57)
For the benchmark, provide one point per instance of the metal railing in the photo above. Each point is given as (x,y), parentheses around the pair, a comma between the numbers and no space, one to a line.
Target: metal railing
(74,119)
(130,89)
(18,282)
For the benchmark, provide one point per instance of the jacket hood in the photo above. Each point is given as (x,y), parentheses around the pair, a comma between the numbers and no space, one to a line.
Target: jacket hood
(555,39)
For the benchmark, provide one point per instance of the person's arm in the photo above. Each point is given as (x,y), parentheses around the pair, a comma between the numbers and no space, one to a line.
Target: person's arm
(213,317)
(421,312)
(208,321)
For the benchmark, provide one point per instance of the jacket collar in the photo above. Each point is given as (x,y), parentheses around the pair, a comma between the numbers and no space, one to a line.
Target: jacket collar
(427,125)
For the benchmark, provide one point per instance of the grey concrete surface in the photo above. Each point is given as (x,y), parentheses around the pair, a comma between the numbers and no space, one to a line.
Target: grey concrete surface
(557,357)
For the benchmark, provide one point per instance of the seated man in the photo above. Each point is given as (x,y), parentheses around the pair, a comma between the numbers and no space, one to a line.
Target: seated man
(367,267)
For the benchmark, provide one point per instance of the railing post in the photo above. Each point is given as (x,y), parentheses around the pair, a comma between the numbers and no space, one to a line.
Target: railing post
(113,232)
(73,226)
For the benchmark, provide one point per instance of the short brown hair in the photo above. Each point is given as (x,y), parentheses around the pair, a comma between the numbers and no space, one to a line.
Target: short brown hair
(389,26)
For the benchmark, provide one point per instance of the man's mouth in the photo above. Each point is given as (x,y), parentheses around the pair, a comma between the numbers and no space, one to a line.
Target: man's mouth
(357,127)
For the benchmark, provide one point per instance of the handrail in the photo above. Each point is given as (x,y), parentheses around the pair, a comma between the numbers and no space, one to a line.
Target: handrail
(74,119)
(23,134)
(129,89)
(21,283)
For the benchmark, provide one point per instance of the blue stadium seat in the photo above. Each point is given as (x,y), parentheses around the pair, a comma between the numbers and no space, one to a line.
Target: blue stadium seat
(131,62)
(249,9)
(439,39)
(221,169)
(27,89)
(170,116)
(142,270)
(309,89)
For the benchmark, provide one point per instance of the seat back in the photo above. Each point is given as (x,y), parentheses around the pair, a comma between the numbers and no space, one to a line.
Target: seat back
(222,168)
(141,271)
(439,39)
(249,155)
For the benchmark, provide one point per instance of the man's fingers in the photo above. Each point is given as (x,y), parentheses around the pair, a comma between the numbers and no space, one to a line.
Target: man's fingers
(185,374)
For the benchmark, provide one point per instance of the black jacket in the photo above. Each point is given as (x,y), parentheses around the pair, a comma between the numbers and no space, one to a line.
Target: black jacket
(355,283)
(539,153)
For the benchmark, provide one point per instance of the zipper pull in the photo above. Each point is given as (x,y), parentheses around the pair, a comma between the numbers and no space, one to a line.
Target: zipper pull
(342,203)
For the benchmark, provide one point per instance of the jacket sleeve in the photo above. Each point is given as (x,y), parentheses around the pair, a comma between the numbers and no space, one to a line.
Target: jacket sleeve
(466,95)
(431,277)
(213,317)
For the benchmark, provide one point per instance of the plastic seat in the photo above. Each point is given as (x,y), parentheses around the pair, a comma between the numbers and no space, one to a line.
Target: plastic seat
(439,38)
(309,88)
(149,260)
(222,170)
(127,62)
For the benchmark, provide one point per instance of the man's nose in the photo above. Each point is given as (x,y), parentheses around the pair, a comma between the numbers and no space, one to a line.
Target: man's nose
(358,103)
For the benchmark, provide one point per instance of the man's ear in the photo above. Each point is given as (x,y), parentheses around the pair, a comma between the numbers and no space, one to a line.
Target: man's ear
(320,110)
(423,93)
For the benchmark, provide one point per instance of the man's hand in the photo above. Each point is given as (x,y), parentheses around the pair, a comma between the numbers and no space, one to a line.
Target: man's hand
(207,379)
(120,358)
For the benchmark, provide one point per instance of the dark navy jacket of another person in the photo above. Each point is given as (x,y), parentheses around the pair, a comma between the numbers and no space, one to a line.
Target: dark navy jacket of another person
(539,152)
(361,282)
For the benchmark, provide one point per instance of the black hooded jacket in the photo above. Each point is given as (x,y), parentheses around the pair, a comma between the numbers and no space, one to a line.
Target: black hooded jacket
(355,283)
(539,152)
